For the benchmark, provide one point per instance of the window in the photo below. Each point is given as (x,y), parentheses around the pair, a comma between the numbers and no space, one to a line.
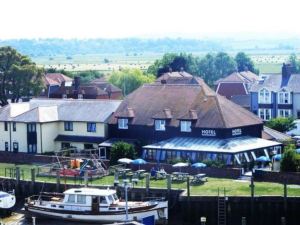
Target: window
(71,199)
(264,114)
(31,127)
(103,200)
(91,127)
(264,96)
(298,114)
(64,96)
(160,125)
(284,113)
(14,126)
(123,123)
(5,126)
(81,199)
(68,126)
(15,146)
(283,98)
(80,96)
(65,145)
(185,126)
(6,146)
(32,148)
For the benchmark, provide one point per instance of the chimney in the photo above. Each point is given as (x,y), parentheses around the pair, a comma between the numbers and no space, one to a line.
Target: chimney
(76,83)
(286,74)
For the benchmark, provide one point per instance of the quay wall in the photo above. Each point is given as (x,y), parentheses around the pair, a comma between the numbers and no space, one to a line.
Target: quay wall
(278,177)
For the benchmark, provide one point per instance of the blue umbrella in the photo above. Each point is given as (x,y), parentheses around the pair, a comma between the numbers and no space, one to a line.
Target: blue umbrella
(199,165)
(263,159)
(277,157)
(298,150)
(139,162)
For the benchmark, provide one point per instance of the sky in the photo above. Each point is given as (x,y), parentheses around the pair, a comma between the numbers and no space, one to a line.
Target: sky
(148,18)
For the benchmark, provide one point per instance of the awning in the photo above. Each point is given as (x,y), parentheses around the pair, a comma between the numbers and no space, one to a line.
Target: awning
(215,145)
(76,138)
(111,141)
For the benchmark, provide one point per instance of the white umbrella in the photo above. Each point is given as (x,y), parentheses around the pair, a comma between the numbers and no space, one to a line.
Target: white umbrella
(180,164)
(125,160)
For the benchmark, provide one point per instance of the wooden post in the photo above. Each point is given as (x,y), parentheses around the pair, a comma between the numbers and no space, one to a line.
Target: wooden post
(252,188)
(169,183)
(17,180)
(188,187)
(285,197)
(32,179)
(86,178)
(58,181)
(147,182)
(244,221)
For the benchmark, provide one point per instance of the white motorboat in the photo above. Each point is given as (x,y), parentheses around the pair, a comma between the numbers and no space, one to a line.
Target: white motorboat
(93,205)
(7,202)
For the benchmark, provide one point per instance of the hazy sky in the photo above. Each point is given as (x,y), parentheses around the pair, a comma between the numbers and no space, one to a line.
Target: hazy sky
(147,18)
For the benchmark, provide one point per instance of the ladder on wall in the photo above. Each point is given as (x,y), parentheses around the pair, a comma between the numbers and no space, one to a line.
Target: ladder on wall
(221,208)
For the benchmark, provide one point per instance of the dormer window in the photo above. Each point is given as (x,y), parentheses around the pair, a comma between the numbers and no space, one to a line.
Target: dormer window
(123,123)
(160,125)
(284,98)
(264,96)
(185,126)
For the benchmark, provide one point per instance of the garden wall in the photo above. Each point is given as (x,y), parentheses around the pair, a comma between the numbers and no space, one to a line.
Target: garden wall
(278,177)
(233,173)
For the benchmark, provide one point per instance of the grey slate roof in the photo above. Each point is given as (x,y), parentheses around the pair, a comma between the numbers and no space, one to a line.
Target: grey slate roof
(273,83)
(61,110)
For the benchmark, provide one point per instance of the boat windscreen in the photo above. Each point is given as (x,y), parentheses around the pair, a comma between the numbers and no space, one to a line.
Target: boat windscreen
(4,195)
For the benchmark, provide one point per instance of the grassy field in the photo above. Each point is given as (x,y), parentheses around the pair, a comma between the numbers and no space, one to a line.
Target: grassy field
(266,62)
(210,188)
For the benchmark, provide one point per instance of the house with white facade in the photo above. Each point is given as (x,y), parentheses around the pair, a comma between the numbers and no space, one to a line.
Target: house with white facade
(41,126)
(277,95)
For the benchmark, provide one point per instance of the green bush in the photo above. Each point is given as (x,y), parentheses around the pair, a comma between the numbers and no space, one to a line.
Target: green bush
(121,150)
(290,160)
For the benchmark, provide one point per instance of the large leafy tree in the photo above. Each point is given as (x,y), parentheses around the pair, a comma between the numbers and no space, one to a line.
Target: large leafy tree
(224,64)
(175,62)
(290,160)
(295,63)
(281,124)
(244,62)
(121,150)
(19,76)
(130,79)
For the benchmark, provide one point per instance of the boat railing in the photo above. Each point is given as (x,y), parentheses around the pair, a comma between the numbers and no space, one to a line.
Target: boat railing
(154,199)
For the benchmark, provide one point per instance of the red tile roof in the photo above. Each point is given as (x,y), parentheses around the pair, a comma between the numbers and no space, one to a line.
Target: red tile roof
(57,78)
(231,89)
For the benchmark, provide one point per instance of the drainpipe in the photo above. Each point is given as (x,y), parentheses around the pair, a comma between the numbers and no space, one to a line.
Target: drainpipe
(9,123)
(41,137)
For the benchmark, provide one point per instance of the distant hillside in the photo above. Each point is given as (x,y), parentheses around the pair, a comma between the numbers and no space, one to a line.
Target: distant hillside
(52,47)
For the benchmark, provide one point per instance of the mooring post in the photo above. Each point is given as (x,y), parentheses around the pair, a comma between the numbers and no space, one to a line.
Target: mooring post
(188,187)
(244,221)
(86,178)
(147,183)
(58,181)
(283,221)
(169,183)
(252,188)
(285,197)
(32,179)
(203,220)
(17,180)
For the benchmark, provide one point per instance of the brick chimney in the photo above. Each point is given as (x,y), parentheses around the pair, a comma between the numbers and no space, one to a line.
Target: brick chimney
(286,73)
(76,83)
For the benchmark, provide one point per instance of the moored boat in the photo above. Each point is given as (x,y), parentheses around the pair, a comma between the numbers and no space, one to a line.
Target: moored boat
(7,202)
(93,205)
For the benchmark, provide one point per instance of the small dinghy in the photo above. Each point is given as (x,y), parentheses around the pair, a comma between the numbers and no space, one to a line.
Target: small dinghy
(7,202)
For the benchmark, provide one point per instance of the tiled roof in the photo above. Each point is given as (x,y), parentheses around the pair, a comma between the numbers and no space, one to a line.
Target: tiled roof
(212,110)
(271,134)
(61,109)
(242,100)
(77,138)
(273,82)
(58,77)
(243,76)
(230,89)
(177,78)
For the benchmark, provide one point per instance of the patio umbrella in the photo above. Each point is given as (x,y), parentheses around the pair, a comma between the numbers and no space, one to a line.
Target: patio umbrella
(277,157)
(125,160)
(139,162)
(180,165)
(263,159)
(199,165)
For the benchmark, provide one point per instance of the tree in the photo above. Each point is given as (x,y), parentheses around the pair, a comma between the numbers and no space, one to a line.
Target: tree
(121,150)
(224,65)
(290,161)
(19,76)
(175,62)
(295,63)
(130,79)
(244,62)
(207,69)
(281,124)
